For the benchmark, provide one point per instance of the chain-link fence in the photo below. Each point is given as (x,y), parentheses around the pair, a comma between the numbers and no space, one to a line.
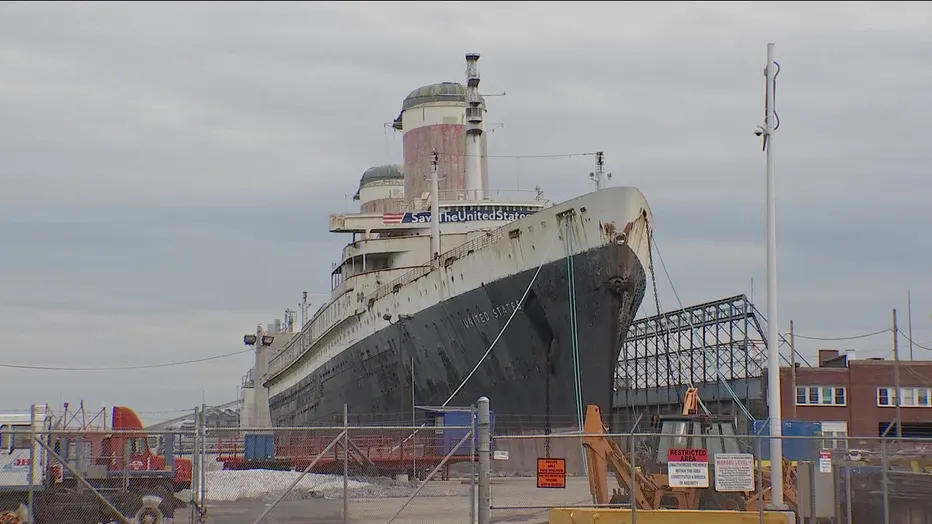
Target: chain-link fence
(441,470)
(331,474)
(347,473)
(703,466)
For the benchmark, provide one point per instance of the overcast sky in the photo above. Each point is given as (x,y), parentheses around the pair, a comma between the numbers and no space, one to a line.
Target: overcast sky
(168,169)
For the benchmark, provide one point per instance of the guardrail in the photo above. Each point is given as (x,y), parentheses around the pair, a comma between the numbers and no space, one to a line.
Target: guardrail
(488,196)
(477,243)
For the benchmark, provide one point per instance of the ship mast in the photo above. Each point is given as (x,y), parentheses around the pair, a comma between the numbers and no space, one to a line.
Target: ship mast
(434,208)
(600,176)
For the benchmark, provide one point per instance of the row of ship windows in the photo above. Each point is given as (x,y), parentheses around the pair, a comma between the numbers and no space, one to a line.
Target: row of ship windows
(486,208)
(886,397)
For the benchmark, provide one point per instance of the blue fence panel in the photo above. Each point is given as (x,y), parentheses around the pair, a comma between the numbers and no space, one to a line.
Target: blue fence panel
(797,449)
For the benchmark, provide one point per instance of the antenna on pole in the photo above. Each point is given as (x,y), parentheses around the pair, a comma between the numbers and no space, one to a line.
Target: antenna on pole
(304,306)
(771,123)
(600,176)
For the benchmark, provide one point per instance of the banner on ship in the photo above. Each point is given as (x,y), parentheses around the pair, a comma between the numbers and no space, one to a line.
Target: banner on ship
(458,215)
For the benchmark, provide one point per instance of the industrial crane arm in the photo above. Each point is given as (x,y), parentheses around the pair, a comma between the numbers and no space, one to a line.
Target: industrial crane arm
(602,453)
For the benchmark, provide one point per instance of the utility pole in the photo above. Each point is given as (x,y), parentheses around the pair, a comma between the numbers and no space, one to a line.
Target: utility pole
(793,369)
(896,376)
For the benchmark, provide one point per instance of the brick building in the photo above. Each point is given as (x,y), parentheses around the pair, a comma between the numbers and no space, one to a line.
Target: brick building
(857,398)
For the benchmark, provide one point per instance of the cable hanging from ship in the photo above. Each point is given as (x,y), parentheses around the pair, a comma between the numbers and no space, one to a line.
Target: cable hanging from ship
(692,329)
(514,312)
(574,338)
(653,280)
(530,285)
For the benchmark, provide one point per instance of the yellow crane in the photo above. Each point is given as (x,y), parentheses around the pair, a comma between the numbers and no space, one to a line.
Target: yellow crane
(652,490)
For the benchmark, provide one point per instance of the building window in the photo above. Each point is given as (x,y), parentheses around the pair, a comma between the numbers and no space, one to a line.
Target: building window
(834,435)
(15,437)
(909,397)
(821,396)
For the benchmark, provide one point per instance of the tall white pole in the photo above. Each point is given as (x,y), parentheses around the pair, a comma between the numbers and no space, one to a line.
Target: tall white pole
(434,209)
(773,320)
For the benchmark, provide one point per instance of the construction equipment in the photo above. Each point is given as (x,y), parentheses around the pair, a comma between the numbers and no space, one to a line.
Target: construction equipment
(81,475)
(649,480)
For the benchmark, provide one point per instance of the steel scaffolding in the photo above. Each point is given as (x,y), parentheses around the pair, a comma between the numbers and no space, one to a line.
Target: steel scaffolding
(718,346)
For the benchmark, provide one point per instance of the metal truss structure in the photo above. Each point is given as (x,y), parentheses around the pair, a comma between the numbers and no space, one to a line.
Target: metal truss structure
(188,418)
(721,342)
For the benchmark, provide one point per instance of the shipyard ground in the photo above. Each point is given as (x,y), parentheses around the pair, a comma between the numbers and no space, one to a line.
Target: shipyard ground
(440,502)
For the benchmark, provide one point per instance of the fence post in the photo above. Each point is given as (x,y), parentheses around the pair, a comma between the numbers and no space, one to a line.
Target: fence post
(886,480)
(345,463)
(195,470)
(202,484)
(759,467)
(836,480)
(127,458)
(485,448)
(848,511)
(32,460)
(472,464)
(634,480)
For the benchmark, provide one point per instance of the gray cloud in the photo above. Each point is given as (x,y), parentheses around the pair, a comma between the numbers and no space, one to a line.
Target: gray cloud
(168,169)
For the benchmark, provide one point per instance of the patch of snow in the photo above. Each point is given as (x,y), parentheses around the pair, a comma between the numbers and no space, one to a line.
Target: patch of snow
(233,485)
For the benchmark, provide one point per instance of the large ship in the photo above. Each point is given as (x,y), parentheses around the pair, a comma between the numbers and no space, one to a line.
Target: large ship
(458,291)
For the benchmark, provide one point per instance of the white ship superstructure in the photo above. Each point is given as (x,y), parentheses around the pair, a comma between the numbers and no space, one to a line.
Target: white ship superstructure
(391,235)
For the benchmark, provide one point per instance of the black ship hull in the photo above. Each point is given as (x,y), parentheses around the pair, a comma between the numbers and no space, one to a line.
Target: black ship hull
(532,358)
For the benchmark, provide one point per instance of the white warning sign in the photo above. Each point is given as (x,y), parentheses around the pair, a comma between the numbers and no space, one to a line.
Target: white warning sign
(688,468)
(825,461)
(734,472)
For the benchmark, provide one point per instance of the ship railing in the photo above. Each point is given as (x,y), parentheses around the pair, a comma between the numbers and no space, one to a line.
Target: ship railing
(488,196)
(495,195)
(475,244)
(326,317)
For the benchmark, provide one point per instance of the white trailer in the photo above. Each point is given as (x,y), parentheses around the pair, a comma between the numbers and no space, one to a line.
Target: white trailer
(32,444)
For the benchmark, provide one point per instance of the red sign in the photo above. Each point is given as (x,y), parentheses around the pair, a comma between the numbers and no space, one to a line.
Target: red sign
(688,455)
(551,473)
